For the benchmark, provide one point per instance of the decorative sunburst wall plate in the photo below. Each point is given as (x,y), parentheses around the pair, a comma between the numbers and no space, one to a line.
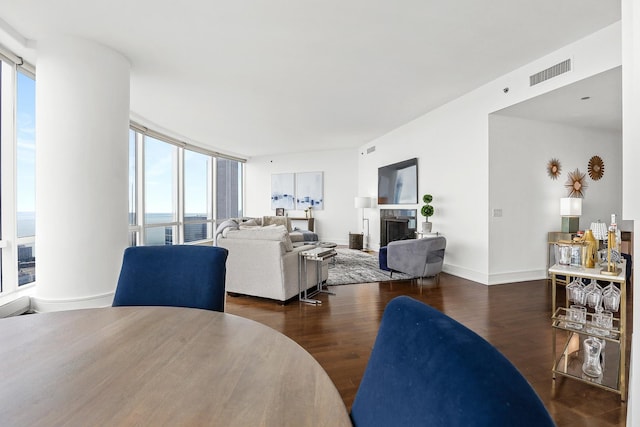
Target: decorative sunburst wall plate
(576,183)
(596,168)
(554,168)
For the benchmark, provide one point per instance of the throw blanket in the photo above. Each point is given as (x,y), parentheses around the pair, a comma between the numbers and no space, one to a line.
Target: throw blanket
(307,236)
(226,225)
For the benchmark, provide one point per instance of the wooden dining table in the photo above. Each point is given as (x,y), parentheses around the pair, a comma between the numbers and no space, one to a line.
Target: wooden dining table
(158,366)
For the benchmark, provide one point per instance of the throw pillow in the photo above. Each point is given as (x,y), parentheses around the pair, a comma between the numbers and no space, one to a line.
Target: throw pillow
(277,220)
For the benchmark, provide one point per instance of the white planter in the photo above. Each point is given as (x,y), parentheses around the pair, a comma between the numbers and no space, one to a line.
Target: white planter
(426,227)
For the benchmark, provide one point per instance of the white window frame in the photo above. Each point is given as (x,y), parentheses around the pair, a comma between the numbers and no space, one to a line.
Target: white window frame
(9,242)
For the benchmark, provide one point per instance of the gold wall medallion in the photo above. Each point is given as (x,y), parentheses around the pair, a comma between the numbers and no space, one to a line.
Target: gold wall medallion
(554,168)
(576,184)
(596,168)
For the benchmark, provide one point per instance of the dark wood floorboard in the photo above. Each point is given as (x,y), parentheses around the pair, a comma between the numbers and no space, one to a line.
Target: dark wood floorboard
(515,318)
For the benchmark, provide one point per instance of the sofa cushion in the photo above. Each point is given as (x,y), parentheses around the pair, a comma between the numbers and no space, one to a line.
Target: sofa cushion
(276,232)
(277,220)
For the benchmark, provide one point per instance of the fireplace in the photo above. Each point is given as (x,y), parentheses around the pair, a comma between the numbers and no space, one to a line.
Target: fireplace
(397,224)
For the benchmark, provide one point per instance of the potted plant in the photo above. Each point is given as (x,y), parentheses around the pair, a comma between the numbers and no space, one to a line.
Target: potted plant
(427,211)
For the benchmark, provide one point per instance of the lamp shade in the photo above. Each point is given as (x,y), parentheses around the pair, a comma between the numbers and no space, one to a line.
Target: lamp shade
(570,206)
(363,202)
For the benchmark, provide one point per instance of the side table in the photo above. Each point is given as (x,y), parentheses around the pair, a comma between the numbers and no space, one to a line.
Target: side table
(317,255)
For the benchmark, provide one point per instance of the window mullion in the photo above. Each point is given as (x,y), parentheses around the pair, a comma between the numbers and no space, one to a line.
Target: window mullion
(180,195)
(140,183)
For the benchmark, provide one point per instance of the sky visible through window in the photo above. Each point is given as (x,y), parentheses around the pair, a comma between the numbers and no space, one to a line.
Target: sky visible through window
(196,183)
(160,174)
(26,155)
(160,181)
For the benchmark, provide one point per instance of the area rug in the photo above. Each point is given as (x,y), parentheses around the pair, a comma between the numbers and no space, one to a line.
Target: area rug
(353,266)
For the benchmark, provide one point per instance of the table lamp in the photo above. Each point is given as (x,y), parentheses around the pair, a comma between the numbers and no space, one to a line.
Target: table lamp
(570,211)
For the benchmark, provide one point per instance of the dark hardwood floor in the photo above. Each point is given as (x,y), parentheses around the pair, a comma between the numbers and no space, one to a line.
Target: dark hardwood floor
(515,318)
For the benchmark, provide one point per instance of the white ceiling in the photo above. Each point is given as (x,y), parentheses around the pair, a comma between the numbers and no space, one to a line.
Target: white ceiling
(265,77)
(595,102)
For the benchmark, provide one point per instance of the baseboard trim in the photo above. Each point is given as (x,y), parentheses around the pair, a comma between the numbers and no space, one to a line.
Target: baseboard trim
(495,279)
(465,273)
(42,305)
(517,276)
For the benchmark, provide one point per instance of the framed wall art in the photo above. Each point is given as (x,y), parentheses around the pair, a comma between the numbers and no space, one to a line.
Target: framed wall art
(282,191)
(595,168)
(309,189)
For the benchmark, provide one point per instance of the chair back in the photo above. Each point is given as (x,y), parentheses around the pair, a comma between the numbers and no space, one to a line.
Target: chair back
(417,257)
(173,275)
(435,256)
(427,369)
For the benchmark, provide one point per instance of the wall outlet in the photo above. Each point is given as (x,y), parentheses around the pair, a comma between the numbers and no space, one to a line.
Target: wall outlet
(497,213)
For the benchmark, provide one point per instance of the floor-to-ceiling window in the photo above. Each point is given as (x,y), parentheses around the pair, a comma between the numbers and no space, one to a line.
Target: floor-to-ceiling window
(17,175)
(174,190)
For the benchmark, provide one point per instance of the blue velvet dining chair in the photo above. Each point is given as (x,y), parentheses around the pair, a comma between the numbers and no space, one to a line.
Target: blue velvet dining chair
(428,369)
(173,275)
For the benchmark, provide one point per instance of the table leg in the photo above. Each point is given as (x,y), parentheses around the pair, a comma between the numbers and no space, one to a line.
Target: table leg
(319,278)
(302,271)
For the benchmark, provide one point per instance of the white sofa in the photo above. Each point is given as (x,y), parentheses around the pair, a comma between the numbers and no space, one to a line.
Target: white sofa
(262,262)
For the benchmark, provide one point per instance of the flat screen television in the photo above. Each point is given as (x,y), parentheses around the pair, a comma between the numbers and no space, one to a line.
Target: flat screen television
(398,183)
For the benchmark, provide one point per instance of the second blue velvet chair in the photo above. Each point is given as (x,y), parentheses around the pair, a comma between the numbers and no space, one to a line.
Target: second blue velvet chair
(426,369)
(176,275)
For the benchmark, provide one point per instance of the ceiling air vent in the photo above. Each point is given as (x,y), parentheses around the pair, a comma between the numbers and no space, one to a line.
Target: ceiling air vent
(550,72)
(371,149)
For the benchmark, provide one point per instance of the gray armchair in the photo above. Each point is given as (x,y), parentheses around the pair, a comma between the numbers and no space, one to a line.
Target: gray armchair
(417,257)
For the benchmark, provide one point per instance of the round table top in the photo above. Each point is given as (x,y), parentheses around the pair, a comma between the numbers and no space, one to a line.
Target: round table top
(158,366)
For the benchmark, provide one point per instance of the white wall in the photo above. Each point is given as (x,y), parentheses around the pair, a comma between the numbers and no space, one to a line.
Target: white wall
(631,172)
(519,151)
(339,216)
(452,146)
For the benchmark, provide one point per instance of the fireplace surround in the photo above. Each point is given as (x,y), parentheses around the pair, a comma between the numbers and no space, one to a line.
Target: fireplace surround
(397,224)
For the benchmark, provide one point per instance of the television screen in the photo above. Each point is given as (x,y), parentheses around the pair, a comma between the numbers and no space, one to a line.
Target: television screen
(398,183)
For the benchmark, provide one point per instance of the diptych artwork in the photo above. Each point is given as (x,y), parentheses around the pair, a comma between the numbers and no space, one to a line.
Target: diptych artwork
(297,191)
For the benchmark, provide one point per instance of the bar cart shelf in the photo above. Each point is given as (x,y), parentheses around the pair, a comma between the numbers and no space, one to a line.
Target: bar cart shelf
(568,362)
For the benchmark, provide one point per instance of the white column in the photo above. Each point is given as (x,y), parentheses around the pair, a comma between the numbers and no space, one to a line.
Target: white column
(82,122)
